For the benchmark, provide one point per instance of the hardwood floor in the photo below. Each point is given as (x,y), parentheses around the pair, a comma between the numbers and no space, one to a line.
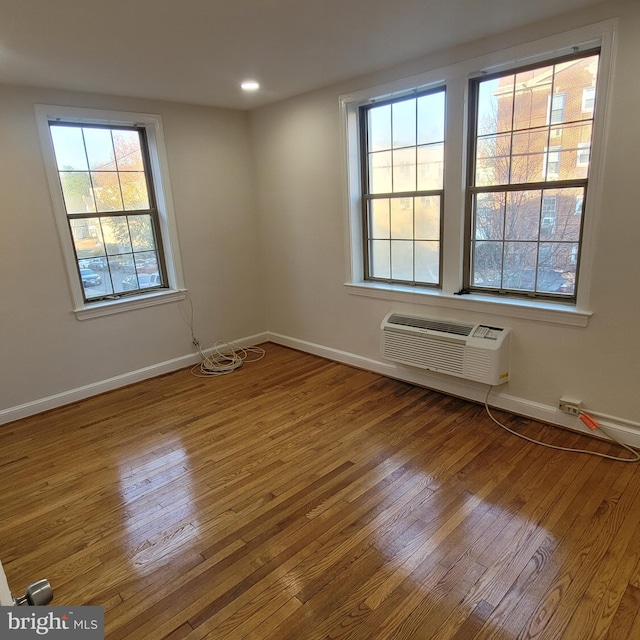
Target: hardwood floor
(298,498)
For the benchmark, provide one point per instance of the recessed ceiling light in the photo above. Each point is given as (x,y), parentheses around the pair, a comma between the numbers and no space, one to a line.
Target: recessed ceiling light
(250,85)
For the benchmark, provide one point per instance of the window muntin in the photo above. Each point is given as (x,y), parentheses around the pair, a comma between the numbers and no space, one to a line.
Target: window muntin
(521,161)
(109,200)
(402,188)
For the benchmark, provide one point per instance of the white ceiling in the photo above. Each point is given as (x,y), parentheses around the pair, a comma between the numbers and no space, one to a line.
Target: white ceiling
(198,51)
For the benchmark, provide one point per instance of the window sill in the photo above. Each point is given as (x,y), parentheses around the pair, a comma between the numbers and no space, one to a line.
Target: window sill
(540,311)
(109,307)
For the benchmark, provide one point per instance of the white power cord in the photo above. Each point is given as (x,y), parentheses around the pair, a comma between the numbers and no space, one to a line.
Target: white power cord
(222,357)
(634,453)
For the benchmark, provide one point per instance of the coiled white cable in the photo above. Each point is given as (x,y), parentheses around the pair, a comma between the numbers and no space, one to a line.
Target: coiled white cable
(223,358)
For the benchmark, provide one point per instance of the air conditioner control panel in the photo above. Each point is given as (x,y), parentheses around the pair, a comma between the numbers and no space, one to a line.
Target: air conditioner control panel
(490,333)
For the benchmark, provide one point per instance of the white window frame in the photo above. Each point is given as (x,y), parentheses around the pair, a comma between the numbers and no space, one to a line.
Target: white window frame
(152,124)
(456,80)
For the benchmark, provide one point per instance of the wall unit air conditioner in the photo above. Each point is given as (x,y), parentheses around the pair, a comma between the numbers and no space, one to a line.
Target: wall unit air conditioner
(476,352)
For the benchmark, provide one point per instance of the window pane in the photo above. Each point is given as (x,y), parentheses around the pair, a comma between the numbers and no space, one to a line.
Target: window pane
(402,260)
(146,262)
(128,152)
(99,149)
(87,238)
(123,273)
(94,284)
(528,156)
(95,277)
(116,236)
(134,190)
(106,189)
(520,261)
(493,160)
(561,222)
(141,233)
(572,78)
(380,259)
(380,172)
(77,192)
(522,216)
(380,128)
(495,105)
(141,280)
(431,118)
(430,167)
(557,267)
(575,152)
(487,264)
(427,262)
(404,170)
(532,95)
(68,145)
(403,116)
(489,216)
(402,218)
(427,217)
(379,225)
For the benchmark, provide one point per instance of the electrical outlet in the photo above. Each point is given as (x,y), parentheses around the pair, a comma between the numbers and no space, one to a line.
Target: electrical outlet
(570,407)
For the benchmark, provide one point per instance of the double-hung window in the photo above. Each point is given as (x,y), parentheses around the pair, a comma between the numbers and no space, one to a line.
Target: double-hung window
(402,188)
(110,190)
(110,205)
(529,155)
(467,184)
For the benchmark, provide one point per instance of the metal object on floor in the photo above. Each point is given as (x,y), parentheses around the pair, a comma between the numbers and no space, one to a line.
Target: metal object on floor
(38,593)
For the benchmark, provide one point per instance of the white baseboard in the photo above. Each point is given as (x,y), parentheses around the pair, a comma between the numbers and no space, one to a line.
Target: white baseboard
(95,388)
(623,430)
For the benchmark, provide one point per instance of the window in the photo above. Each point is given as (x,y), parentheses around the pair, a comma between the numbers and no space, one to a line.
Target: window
(549,210)
(529,242)
(402,187)
(517,232)
(551,163)
(110,190)
(588,98)
(110,205)
(583,153)
(556,110)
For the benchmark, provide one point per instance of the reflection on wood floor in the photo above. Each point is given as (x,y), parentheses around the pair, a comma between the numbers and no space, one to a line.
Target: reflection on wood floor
(298,498)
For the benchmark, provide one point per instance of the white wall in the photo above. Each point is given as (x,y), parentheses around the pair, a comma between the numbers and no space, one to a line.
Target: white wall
(300,186)
(260,213)
(44,349)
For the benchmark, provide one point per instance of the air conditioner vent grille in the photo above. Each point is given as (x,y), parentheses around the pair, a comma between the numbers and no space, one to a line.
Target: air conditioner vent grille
(433,325)
(445,357)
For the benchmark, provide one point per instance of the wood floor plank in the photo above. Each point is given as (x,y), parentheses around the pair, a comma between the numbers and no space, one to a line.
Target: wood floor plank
(301,499)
